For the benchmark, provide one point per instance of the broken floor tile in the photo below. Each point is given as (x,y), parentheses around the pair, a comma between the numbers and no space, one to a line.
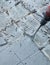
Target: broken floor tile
(29,24)
(10,42)
(41,3)
(29,4)
(18,12)
(46,51)
(43,9)
(7,57)
(4,20)
(3,40)
(38,16)
(7,4)
(37,59)
(34,4)
(24,47)
(13,31)
(47,27)
(40,13)
(41,38)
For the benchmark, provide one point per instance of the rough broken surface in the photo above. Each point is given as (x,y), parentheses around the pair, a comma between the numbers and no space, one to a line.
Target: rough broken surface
(18,22)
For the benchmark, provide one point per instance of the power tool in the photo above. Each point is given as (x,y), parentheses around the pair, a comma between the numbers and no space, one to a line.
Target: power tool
(45,19)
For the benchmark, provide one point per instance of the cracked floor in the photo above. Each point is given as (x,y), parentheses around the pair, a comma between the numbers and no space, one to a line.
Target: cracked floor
(19,19)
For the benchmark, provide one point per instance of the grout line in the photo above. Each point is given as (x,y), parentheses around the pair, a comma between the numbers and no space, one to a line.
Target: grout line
(18,58)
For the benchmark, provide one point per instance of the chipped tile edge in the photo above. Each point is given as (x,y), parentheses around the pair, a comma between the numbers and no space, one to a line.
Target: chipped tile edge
(45,54)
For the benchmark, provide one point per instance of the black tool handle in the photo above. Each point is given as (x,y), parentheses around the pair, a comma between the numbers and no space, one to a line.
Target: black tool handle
(44,20)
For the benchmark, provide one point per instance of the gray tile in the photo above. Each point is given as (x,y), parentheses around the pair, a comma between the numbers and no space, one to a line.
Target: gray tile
(13,31)
(41,38)
(37,16)
(37,59)
(24,47)
(3,42)
(7,4)
(29,24)
(41,3)
(18,12)
(29,4)
(7,57)
(4,17)
(35,4)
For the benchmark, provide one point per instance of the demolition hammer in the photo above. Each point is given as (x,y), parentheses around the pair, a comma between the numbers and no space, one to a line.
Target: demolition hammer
(45,19)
